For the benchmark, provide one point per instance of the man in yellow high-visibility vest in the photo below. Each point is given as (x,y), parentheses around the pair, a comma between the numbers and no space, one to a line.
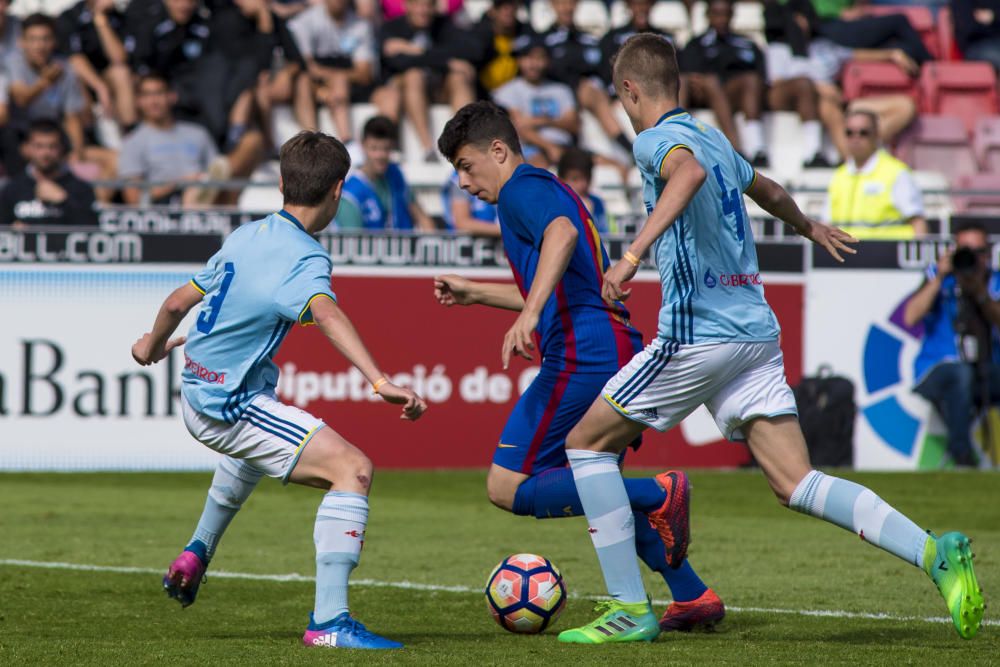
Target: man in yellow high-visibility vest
(873,195)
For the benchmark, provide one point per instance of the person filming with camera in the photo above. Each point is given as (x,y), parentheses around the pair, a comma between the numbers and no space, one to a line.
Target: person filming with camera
(959,360)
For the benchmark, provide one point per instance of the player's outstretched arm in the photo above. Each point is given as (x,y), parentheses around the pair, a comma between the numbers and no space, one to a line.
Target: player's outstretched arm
(156,344)
(451,290)
(775,200)
(558,243)
(339,330)
(684,176)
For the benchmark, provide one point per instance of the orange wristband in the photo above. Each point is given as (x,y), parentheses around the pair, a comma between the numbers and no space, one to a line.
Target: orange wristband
(631,259)
(378,384)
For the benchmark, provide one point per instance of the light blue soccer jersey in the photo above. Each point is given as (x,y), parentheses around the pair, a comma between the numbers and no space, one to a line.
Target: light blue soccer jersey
(712,290)
(262,281)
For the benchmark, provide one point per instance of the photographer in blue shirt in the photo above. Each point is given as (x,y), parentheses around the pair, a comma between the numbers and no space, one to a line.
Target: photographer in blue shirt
(959,358)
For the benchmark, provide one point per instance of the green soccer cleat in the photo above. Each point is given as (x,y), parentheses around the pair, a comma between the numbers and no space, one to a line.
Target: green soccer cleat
(948,562)
(618,622)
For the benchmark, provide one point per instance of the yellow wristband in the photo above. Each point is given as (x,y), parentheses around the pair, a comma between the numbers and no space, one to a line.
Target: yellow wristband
(631,259)
(378,384)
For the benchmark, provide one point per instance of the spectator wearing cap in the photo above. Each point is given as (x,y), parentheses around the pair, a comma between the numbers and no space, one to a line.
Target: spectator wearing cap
(90,34)
(339,52)
(576,169)
(425,57)
(543,111)
(873,195)
(376,195)
(498,30)
(977,29)
(46,192)
(576,62)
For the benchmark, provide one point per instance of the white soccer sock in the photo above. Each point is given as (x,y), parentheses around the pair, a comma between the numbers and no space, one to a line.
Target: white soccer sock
(232,484)
(812,138)
(611,523)
(855,508)
(753,137)
(339,536)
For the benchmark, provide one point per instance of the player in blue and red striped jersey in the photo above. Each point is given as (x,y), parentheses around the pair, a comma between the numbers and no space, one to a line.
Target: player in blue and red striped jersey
(558,262)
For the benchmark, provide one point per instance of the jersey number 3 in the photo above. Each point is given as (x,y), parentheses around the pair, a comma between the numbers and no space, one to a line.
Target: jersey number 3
(732,203)
(207,321)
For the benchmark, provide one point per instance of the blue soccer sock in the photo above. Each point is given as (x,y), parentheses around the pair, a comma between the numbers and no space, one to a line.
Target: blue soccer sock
(552,494)
(855,508)
(339,535)
(611,524)
(684,582)
(232,484)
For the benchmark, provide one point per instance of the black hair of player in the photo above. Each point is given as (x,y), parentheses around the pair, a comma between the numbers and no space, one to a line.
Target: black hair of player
(36,20)
(152,76)
(380,127)
(479,124)
(311,164)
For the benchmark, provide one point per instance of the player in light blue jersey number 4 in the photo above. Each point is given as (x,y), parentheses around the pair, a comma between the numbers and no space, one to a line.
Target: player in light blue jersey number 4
(717,345)
(270,274)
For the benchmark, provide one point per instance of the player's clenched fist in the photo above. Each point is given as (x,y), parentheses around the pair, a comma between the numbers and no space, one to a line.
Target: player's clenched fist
(451,290)
(413,405)
(144,354)
(612,289)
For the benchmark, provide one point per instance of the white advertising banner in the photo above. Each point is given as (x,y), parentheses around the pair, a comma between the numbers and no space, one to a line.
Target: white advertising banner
(854,325)
(71,396)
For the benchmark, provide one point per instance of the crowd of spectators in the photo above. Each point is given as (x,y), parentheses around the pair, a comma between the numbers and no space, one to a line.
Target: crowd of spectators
(179,94)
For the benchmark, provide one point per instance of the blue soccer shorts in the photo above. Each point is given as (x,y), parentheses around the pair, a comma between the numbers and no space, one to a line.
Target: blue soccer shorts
(534,438)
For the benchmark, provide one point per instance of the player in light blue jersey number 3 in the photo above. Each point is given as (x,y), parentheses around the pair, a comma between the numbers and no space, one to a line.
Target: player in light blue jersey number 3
(717,345)
(270,274)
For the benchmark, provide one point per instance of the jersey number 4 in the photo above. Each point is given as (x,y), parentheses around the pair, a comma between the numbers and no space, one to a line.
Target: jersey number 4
(207,320)
(732,202)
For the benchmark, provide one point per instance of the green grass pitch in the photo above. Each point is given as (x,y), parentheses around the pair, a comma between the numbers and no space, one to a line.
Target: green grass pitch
(437,528)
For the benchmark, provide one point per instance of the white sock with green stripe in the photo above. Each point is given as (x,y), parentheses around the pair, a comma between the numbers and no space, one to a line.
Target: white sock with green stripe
(855,508)
(611,523)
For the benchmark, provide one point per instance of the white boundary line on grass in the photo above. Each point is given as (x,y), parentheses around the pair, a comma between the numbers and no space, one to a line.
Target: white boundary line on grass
(435,588)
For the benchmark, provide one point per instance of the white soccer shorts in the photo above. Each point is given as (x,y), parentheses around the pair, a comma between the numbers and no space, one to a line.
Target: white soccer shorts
(737,382)
(270,435)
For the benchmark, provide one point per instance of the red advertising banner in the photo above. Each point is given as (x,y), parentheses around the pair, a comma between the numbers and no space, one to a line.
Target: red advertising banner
(451,356)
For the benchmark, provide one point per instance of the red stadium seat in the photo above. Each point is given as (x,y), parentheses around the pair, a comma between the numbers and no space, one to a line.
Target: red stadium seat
(967,90)
(938,143)
(985,197)
(922,21)
(946,35)
(986,143)
(863,79)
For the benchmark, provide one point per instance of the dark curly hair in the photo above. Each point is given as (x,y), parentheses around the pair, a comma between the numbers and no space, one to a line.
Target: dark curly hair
(478,124)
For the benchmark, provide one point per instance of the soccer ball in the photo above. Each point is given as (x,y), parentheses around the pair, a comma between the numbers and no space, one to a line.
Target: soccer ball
(525,593)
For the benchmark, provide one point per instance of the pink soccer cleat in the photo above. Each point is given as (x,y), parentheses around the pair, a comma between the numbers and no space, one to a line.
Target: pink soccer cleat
(184,577)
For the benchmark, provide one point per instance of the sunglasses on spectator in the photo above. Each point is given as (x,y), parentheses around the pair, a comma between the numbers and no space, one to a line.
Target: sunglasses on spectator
(858,133)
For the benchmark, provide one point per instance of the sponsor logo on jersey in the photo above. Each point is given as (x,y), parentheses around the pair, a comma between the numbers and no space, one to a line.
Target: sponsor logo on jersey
(740,279)
(202,373)
(710,281)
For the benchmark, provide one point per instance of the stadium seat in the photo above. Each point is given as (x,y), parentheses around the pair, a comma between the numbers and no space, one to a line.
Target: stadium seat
(986,143)
(967,90)
(922,21)
(983,195)
(938,143)
(476,8)
(864,79)
(619,14)
(672,16)
(946,35)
